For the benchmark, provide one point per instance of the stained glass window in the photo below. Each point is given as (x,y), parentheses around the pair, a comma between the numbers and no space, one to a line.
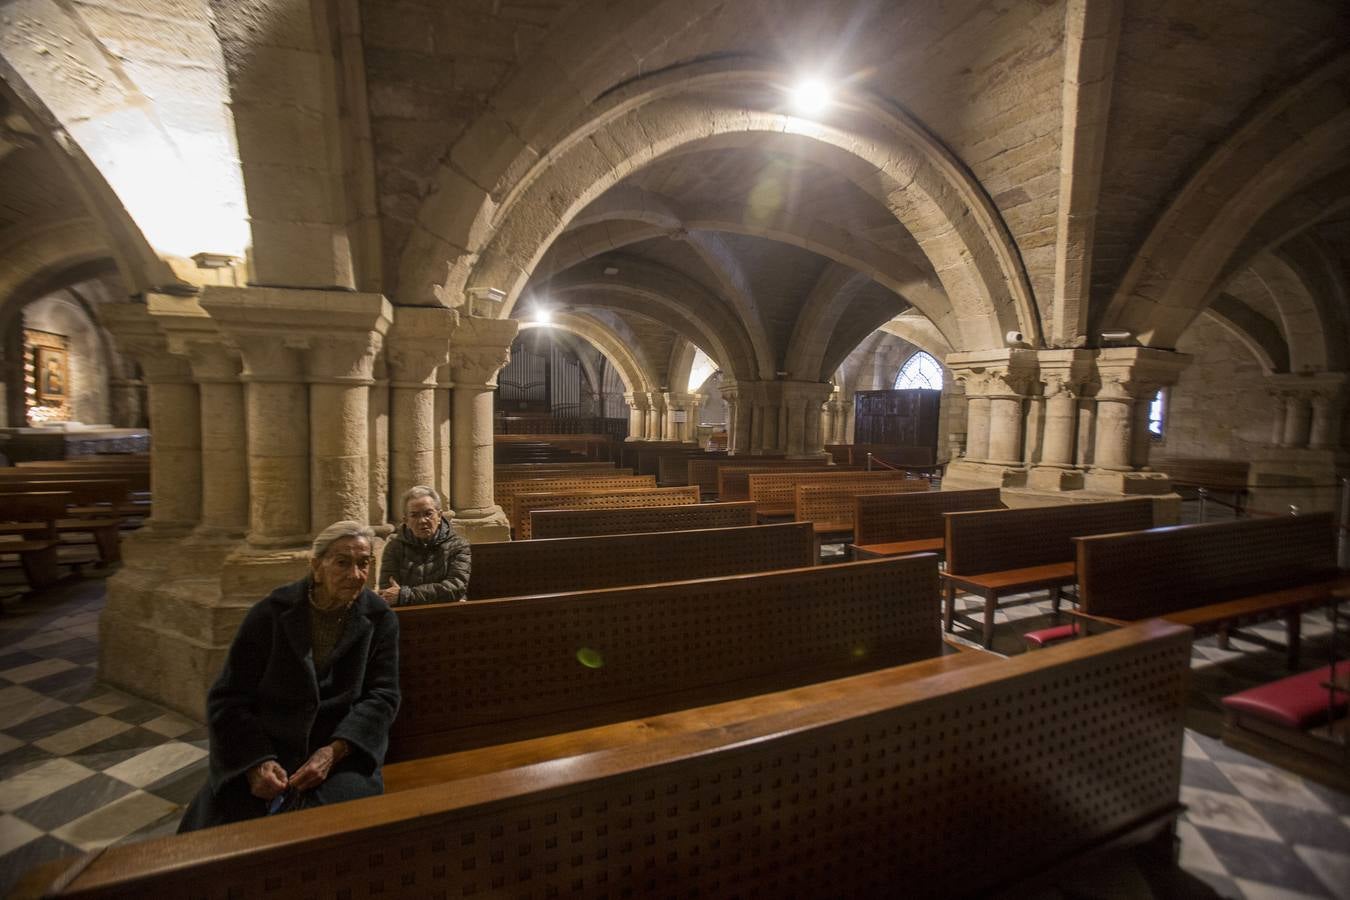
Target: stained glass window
(920,371)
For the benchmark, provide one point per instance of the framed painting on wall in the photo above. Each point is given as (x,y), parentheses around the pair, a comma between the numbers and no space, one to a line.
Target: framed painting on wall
(53,375)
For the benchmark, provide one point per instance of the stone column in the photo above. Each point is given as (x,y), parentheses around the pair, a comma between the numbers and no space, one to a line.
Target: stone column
(443,399)
(479,350)
(377,419)
(340,373)
(1129,377)
(656,416)
(737,432)
(1115,417)
(217,367)
(175,419)
(637,415)
(1324,433)
(1063,376)
(977,421)
(417,345)
(1277,424)
(1005,420)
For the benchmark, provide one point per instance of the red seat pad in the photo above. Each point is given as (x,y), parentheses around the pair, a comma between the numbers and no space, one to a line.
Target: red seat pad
(1045,636)
(1299,701)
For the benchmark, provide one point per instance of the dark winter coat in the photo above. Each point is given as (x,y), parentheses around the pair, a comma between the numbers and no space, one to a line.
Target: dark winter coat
(432,571)
(269,703)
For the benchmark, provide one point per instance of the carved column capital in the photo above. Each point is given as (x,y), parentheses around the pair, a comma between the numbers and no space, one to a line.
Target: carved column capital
(418,343)
(479,349)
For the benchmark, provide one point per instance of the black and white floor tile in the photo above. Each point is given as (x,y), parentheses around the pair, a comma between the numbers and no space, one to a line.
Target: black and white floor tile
(83,766)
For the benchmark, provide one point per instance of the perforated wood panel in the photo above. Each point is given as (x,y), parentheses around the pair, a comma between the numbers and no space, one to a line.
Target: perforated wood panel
(629,449)
(464,664)
(882,518)
(673,468)
(506,492)
(703,472)
(733,482)
(1020,763)
(778,488)
(514,568)
(833,503)
(605,499)
(1132,576)
(999,539)
(529,470)
(559,523)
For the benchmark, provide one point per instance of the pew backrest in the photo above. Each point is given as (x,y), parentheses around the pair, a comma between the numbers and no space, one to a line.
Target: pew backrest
(82,490)
(704,472)
(777,490)
(496,670)
(851,798)
(673,468)
(549,566)
(836,503)
(526,503)
(1216,474)
(733,482)
(39,506)
(505,492)
(1000,539)
(561,523)
(883,518)
(1153,573)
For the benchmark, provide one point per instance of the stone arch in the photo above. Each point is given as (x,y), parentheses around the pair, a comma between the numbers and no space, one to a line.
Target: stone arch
(681,365)
(38,252)
(1176,272)
(1300,319)
(882,149)
(919,331)
(1253,330)
(677,302)
(634,374)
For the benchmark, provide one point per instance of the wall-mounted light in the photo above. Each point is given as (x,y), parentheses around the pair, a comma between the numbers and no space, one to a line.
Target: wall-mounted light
(811,96)
(205,260)
(496,295)
(1116,337)
(611,270)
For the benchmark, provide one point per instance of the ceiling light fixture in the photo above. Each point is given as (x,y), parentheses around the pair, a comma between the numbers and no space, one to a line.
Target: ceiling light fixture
(811,96)
(543,315)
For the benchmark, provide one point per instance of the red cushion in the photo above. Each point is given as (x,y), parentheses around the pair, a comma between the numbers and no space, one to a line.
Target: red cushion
(1049,635)
(1299,701)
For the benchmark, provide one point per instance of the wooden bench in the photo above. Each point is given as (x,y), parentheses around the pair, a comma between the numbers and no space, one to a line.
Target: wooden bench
(28,530)
(89,497)
(733,482)
(775,493)
(555,565)
(629,450)
(898,524)
(610,498)
(1008,551)
(506,471)
(506,491)
(559,523)
(856,796)
(673,468)
(705,472)
(590,446)
(43,514)
(830,508)
(1297,722)
(1213,577)
(495,670)
(1227,476)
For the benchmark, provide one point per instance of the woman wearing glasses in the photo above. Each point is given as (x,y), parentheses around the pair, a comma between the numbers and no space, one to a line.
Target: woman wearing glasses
(424,561)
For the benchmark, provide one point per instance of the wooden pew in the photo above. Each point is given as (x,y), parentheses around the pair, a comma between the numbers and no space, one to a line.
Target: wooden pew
(672,469)
(871,794)
(610,498)
(1007,551)
(560,523)
(774,493)
(705,473)
(507,471)
(733,482)
(629,452)
(898,524)
(28,530)
(1213,577)
(555,565)
(830,508)
(506,491)
(1228,476)
(509,669)
(44,514)
(591,446)
(89,497)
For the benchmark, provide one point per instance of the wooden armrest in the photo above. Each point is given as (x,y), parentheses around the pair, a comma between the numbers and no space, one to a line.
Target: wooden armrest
(1269,602)
(1105,620)
(900,548)
(832,527)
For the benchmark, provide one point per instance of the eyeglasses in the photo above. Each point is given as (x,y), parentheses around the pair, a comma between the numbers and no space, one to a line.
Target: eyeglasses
(424,514)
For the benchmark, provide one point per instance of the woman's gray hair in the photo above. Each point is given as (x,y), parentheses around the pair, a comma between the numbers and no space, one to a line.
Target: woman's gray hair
(336,532)
(420,490)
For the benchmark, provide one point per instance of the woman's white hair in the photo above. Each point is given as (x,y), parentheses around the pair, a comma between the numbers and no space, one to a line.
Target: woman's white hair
(420,490)
(336,532)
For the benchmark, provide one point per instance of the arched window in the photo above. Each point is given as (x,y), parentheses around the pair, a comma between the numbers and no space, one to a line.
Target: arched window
(920,371)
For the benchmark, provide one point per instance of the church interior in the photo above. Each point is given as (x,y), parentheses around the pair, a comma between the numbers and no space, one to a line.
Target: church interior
(886,434)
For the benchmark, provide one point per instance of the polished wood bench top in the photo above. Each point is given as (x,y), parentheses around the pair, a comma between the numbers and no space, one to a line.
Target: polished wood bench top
(899,548)
(1012,580)
(431,770)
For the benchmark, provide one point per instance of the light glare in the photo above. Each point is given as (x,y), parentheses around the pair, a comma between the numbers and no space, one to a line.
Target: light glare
(543,316)
(811,96)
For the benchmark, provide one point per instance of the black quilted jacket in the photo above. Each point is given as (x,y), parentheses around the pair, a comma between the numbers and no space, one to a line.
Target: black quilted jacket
(434,571)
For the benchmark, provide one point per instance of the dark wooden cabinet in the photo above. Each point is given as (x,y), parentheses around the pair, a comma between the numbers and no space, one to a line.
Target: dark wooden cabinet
(901,418)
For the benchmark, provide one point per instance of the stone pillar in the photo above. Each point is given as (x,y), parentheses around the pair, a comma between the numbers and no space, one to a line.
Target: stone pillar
(637,415)
(444,402)
(801,405)
(977,422)
(277,410)
(1324,432)
(216,368)
(340,373)
(1129,377)
(417,346)
(1064,376)
(1277,424)
(377,418)
(1115,417)
(480,348)
(656,416)
(1005,423)
(175,419)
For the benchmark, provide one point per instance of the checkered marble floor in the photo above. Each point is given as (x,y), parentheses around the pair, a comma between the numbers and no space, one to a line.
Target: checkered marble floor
(84,766)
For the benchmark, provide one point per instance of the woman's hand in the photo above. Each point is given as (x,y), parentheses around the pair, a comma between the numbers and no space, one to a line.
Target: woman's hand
(266,779)
(390,594)
(317,767)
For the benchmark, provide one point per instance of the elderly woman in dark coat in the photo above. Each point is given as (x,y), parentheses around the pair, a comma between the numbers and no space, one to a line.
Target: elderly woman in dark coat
(425,561)
(300,714)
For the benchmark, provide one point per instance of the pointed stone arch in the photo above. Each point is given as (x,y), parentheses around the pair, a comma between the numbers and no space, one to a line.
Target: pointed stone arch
(631,370)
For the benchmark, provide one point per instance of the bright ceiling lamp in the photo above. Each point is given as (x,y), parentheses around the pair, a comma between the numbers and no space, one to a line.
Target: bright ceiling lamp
(543,315)
(811,96)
